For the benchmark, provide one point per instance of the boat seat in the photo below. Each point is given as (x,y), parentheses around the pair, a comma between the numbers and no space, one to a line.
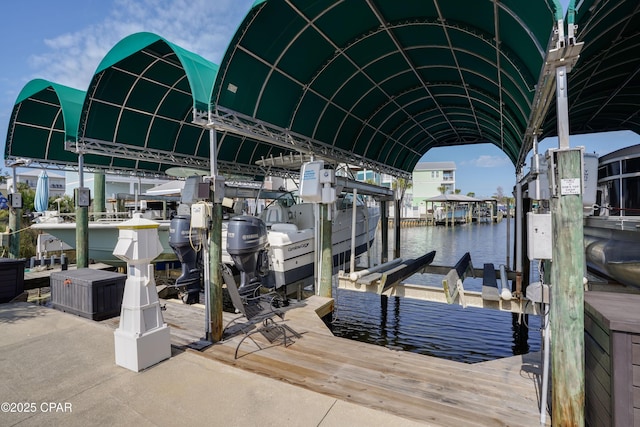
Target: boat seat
(274,214)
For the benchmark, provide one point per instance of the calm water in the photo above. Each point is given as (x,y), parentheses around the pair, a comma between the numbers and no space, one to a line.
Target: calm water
(448,331)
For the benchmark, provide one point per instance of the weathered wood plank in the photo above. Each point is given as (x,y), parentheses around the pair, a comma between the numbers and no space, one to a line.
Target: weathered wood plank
(598,404)
(621,396)
(635,353)
(596,331)
(428,389)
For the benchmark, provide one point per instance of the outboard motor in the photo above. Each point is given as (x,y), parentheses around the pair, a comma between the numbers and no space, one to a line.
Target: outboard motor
(183,245)
(247,246)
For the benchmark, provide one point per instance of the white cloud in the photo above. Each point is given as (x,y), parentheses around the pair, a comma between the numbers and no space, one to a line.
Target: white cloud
(485,161)
(201,26)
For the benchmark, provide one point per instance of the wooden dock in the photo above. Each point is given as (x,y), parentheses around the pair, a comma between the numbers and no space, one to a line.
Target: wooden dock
(427,389)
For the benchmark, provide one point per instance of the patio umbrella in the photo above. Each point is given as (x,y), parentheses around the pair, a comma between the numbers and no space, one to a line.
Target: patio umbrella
(41,201)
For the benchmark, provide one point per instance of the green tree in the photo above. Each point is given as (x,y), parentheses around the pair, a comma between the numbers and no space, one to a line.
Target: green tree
(457,191)
(401,185)
(471,194)
(442,189)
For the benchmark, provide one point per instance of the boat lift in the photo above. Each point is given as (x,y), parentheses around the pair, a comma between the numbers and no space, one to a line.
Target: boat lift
(388,279)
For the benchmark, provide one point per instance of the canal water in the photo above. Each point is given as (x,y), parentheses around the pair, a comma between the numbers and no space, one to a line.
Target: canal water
(448,331)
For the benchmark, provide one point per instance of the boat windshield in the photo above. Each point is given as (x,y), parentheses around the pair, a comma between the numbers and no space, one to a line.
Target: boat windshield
(282,198)
(345,201)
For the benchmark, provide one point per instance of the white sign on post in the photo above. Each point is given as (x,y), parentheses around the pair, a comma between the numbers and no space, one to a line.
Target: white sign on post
(569,186)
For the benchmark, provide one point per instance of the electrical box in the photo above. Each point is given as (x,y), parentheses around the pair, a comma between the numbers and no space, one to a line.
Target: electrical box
(218,189)
(310,184)
(15,200)
(327,176)
(83,197)
(539,236)
(200,215)
(539,185)
(328,194)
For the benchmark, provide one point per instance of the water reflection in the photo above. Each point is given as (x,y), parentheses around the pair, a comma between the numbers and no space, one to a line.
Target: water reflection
(447,331)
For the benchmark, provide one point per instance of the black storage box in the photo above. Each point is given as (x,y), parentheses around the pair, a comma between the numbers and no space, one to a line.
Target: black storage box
(11,278)
(94,294)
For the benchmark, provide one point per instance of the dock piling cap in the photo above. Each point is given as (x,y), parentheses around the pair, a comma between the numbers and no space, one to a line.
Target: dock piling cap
(137,223)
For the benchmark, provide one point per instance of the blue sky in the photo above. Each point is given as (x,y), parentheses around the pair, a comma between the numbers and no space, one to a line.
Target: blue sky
(63,41)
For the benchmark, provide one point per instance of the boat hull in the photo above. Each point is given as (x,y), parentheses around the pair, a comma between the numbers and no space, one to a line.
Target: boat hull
(292,250)
(612,247)
(103,237)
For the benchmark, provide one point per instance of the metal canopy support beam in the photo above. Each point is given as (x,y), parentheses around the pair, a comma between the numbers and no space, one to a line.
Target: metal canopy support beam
(125,151)
(132,152)
(560,52)
(225,120)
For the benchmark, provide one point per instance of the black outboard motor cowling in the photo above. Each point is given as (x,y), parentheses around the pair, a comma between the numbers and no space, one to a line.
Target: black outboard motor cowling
(247,246)
(184,246)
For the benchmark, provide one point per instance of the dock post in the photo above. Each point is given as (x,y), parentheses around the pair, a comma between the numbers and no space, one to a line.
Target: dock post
(216,195)
(82,237)
(215,275)
(567,271)
(396,248)
(82,197)
(15,214)
(384,231)
(14,238)
(99,190)
(326,263)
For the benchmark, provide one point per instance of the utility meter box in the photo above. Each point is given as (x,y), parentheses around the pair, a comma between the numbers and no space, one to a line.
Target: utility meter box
(539,185)
(310,181)
(15,200)
(200,215)
(539,236)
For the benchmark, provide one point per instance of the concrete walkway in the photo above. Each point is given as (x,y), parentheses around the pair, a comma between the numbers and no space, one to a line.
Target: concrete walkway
(61,368)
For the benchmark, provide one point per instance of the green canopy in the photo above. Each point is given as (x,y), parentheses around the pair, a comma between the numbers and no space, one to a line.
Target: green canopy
(44,116)
(377,82)
(389,80)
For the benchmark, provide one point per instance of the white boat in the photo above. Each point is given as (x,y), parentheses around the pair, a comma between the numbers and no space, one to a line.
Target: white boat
(291,236)
(292,239)
(612,231)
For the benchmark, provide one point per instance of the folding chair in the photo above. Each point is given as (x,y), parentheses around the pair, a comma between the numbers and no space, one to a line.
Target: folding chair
(258,309)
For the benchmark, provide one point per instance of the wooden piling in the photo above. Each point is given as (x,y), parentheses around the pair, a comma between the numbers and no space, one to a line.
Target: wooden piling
(99,190)
(384,220)
(82,236)
(14,238)
(396,246)
(567,296)
(215,274)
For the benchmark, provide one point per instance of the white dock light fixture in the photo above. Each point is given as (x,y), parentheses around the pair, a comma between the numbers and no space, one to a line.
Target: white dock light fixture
(142,339)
